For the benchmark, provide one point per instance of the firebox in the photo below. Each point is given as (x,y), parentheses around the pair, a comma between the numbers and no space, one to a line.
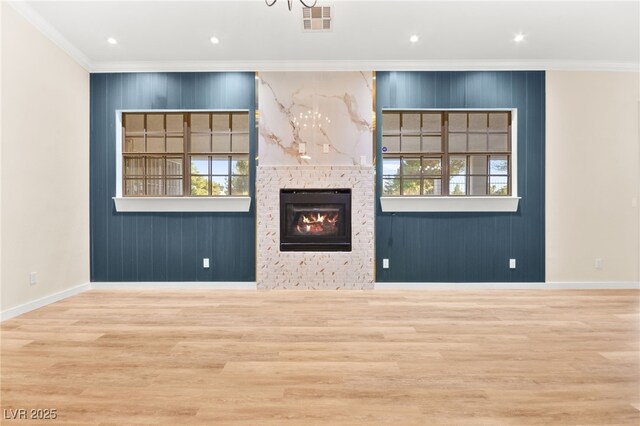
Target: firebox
(315,220)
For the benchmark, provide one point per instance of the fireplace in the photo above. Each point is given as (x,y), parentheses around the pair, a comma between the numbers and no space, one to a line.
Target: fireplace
(315,220)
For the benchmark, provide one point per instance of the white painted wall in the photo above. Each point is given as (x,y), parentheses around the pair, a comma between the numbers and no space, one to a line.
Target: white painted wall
(592,176)
(1,145)
(44,165)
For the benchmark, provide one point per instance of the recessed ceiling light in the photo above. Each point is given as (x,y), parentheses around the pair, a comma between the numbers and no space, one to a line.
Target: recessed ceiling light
(414,38)
(518,37)
(112,40)
(214,40)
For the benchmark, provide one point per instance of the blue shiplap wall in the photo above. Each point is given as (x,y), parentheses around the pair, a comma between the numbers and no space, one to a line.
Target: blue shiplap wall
(468,247)
(165,246)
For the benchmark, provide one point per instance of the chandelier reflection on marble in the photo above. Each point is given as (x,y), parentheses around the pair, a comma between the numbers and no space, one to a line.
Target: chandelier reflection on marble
(291,3)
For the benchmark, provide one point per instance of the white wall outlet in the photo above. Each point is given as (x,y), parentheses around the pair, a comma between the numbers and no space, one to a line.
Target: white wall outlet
(33,278)
(385,263)
(363,160)
(599,263)
(512,263)
(325,148)
(205,262)
(302,148)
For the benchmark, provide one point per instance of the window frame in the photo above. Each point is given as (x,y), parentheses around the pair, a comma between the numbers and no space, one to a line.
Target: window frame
(147,155)
(185,202)
(446,202)
(212,156)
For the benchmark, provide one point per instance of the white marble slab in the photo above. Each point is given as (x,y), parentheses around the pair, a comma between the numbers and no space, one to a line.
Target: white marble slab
(320,111)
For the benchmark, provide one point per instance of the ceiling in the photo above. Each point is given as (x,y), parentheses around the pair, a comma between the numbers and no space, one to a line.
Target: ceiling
(174,35)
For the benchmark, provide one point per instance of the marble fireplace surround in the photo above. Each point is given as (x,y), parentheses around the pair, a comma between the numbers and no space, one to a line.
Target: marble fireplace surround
(328,116)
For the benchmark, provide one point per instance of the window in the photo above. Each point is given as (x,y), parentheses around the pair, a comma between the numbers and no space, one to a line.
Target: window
(193,154)
(446,153)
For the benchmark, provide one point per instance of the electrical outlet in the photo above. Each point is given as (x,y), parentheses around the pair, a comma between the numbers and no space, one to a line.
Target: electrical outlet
(512,263)
(599,263)
(385,263)
(302,148)
(33,278)
(205,262)
(325,148)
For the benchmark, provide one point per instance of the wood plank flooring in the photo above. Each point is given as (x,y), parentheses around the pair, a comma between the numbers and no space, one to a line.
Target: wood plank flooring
(327,358)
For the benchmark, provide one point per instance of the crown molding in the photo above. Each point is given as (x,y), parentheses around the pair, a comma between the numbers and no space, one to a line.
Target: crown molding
(35,19)
(364,65)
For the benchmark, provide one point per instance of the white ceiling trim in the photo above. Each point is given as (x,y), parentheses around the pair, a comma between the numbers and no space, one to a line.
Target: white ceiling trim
(375,65)
(311,65)
(35,19)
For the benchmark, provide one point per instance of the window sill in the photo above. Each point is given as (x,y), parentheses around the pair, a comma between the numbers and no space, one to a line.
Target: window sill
(182,204)
(449,204)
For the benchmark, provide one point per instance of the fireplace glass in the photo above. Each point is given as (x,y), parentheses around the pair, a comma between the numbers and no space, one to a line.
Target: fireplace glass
(315,220)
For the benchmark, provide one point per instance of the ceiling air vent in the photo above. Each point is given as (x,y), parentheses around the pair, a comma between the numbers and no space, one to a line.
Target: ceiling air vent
(316,18)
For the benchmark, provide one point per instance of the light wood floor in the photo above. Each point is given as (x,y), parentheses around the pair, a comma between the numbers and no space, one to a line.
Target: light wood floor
(330,358)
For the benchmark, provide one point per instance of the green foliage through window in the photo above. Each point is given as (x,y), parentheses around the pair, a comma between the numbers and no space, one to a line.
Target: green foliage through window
(214,146)
(470,151)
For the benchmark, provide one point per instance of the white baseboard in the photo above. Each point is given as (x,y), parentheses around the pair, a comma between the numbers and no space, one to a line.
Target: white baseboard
(596,285)
(176,285)
(47,300)
(250,285)
(43,301)
(614,285)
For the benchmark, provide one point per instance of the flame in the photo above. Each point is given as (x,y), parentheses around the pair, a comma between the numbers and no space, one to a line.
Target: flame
(318,219)
(317,223)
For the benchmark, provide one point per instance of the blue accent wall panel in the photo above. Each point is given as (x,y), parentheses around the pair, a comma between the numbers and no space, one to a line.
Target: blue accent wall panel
(468,247)
(165,246)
